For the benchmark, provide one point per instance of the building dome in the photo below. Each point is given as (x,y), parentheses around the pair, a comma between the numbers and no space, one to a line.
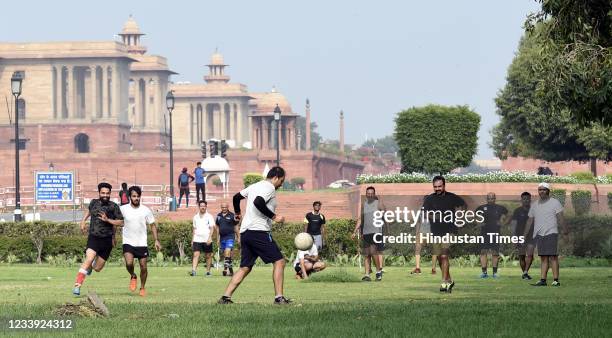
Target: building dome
(217,59)
(216,163)
(268,101)
(131,27)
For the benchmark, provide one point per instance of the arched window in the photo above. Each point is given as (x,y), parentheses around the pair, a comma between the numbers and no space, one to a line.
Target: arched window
(21,108)
(81,143)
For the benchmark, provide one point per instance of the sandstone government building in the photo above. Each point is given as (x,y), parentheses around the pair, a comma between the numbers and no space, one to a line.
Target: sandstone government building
(98,108)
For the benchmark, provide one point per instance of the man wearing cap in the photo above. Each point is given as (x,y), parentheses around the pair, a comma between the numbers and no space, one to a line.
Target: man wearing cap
(545,215)
(314,224)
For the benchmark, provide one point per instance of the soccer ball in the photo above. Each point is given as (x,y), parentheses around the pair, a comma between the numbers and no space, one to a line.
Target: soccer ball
(303,241)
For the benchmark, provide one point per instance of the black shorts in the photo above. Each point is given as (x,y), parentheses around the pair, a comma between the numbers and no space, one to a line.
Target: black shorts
(102,246)
(298,270)
(489,244)
(198,246)
(368,241)
(547,245)
(136,251)
(254,244)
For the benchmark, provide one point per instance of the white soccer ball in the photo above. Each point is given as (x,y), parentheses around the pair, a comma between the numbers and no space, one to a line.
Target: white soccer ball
(303,241)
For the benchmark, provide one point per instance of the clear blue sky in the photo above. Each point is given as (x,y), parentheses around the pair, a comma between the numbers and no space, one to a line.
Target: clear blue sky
(371,59)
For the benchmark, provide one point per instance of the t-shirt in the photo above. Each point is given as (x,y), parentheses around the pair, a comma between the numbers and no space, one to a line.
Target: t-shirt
(521,215)
(184,180)
(313,251)
(367,221)
(135,221)
(492,215)
(443,202)
(98,227)
(123,197)
(226,225)
(253,218)
(545,216)
(315,221)
(203,225)
(199,175)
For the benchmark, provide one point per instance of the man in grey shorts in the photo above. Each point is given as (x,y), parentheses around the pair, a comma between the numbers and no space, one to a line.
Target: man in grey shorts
(546,215)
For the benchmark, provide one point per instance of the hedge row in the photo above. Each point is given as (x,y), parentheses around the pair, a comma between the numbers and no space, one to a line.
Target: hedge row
(491,177)
(590,236)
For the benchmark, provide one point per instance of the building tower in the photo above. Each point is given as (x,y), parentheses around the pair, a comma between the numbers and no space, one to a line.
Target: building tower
(130,35)
(308,125)
(216,69)
(342,131)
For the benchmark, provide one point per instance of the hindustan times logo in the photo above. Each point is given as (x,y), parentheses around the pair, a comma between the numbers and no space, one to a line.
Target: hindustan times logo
(412,217)
(406,238)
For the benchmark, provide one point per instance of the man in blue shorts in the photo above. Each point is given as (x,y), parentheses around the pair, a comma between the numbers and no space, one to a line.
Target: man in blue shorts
(227,232)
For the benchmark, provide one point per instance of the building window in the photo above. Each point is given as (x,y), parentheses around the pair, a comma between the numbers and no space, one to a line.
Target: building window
(21,108)
(81,143)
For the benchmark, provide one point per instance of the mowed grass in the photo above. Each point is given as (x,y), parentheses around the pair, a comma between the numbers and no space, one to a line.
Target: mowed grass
(401,305)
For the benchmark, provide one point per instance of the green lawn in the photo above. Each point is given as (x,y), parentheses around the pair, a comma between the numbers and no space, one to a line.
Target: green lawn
(400,305)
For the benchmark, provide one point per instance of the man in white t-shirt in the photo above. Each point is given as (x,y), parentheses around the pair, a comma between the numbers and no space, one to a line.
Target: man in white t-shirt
(307,262)
(255,233)
(546,215)
(203,229)
(136,217)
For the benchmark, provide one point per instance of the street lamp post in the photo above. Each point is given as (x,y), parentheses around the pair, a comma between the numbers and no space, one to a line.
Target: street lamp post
(277,116)
(16,81)
(170,106)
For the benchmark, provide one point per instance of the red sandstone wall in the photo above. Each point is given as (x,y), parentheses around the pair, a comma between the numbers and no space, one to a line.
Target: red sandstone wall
(561,168)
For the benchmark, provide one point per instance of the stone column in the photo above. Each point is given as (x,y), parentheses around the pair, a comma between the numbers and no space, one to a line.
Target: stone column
(116,94)
(254,137)
(307,131)
(224,122)
(59,104)
(94,92)
(105,106)
(137,112)
(281,144)
(232,113)
(70,91)
(218,121)
(265,132)
(239,138)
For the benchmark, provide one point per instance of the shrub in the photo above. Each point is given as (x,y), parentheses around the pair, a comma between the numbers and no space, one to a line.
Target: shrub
(298,182)
(581,201)
(559,194)
(250,178)
(583,176)
(217,182)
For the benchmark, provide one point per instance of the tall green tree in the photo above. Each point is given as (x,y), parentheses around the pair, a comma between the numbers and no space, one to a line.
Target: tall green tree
(534,126)
(436,139)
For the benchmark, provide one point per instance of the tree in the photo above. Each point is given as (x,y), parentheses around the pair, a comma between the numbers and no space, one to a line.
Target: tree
(315,137)
(382,145)
(576,65)
(436,139)
(533,126)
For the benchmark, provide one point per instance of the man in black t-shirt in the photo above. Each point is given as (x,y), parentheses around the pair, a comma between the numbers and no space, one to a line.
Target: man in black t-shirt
(314,224)
(493,214)
(520,216)
(435,206)
(105,217)
(227,230)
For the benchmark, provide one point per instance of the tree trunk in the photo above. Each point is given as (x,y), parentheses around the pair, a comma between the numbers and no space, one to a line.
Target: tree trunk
(38,242)
(594,166)
(181,249)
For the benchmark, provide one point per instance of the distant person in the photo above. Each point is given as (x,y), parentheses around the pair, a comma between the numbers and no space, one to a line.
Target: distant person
(136,218)
(124,196)
(199,172)
(519,218)
(307,262)
(314,224)
(443,201)
(183,180)
(494,215)
(227,232)
(546,214)
(203,229)
(366,228)
(105,217)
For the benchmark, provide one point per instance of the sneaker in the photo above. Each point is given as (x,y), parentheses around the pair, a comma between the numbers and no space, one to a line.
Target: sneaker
(366,278)
(192,273)
(76,290)
(443,287)
(495,275)
(540,283)
(225,300)
(484,275)
(379,275)
(282,301)
(208,274)
(449,286)
(433,271)
(224,273)
(526,277)
(556,283)
(142,292)
(415,271)
(133,281)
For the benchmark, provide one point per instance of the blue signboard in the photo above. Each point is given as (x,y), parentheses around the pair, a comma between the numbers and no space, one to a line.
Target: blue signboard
(52,186)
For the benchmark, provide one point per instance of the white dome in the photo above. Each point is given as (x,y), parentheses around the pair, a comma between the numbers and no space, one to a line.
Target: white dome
(216,163)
